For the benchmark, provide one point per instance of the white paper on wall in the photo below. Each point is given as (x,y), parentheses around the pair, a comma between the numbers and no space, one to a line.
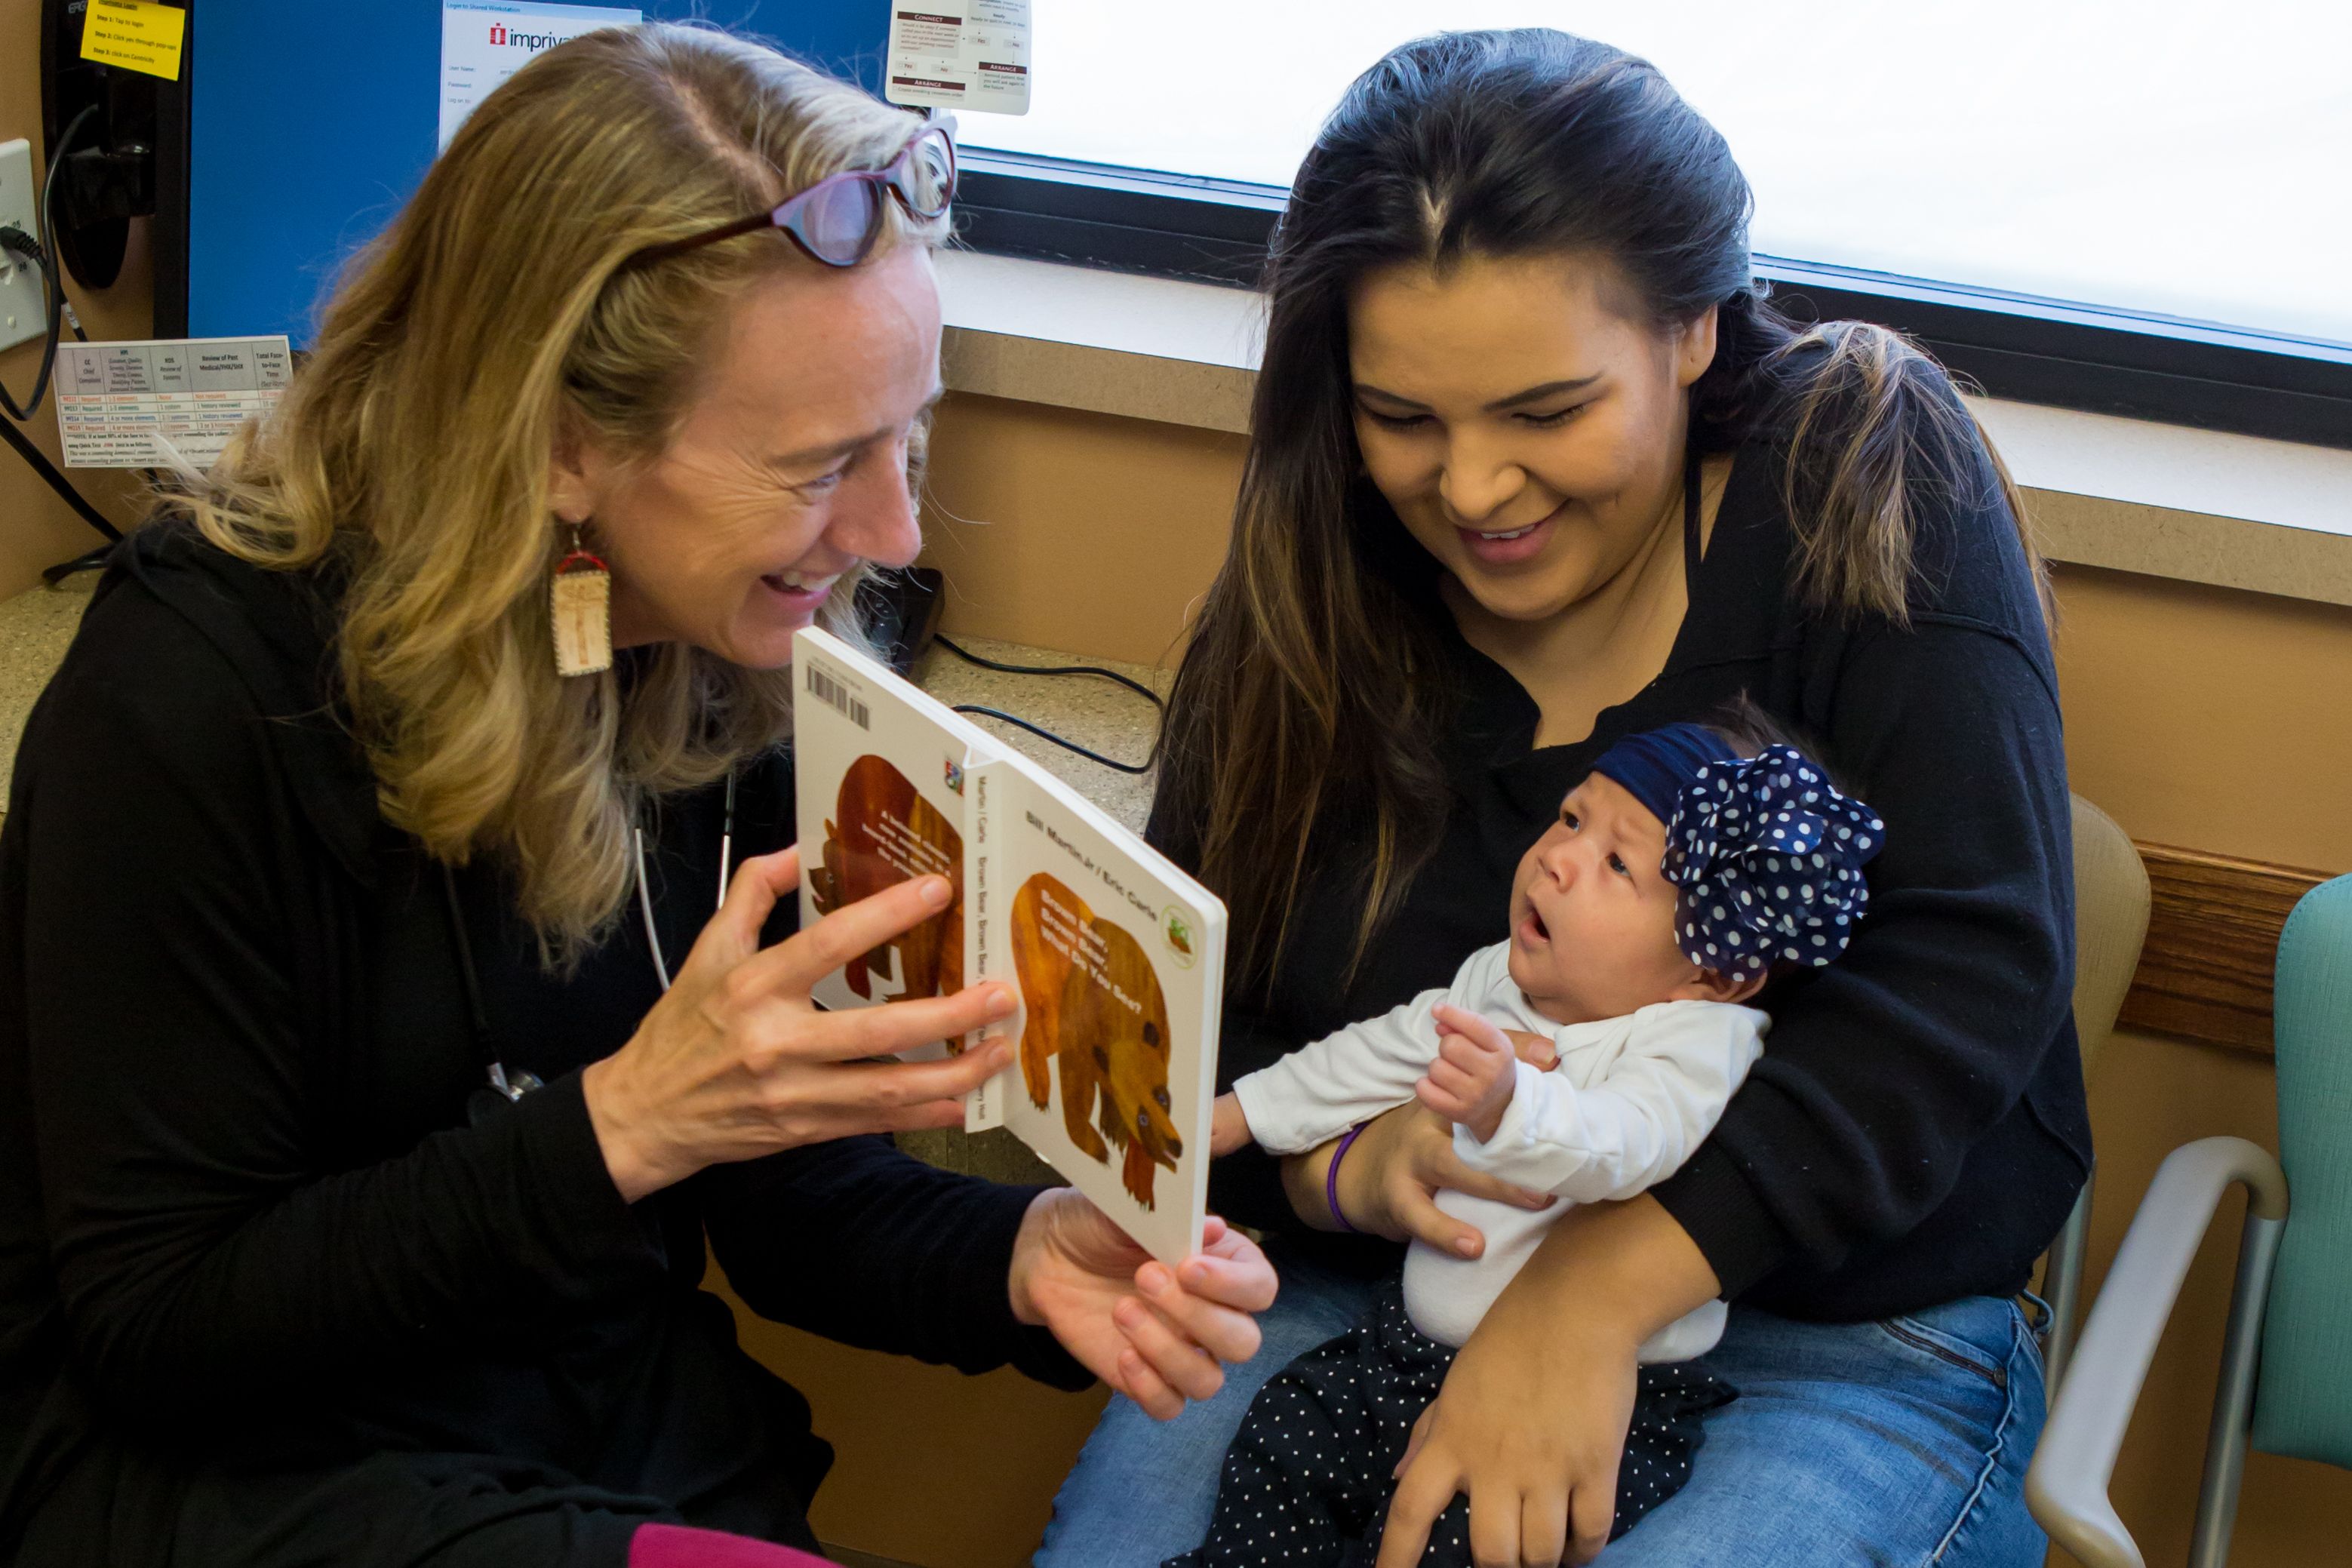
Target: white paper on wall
(959,54)
(483,42)
(163,403)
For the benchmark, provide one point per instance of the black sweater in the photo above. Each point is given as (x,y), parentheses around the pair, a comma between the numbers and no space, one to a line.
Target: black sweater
(254,1215)
(1916,1131)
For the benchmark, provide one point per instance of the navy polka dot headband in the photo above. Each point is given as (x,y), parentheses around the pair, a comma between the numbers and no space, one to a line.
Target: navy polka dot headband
(1765,853)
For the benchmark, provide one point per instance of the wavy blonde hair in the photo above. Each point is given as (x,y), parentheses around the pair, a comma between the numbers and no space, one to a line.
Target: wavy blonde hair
(489,324)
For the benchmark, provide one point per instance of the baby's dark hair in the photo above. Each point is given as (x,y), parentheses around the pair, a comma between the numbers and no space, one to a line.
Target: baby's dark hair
(1749,729)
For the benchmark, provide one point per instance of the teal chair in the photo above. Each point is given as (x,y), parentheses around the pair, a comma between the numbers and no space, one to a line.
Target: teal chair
(2286,1359)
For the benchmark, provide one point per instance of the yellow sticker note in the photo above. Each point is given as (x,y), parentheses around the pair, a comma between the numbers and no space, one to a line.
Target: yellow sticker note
(136,35)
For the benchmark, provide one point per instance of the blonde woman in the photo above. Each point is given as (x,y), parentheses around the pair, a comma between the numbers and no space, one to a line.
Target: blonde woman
(369,1092)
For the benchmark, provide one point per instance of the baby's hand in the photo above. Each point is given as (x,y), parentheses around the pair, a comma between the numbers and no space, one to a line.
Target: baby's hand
(1472,1079)
(1228,1128)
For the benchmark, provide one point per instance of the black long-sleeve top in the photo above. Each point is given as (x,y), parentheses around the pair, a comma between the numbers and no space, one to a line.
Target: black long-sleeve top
(1916,1131)
(256,1210)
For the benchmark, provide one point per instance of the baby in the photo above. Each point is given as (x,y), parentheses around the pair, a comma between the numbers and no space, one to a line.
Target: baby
(1682,873)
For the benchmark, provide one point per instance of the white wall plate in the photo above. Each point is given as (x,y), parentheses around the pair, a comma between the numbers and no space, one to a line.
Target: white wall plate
(24,305)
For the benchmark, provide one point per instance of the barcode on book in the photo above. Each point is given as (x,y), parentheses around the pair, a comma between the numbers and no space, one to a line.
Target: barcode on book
(833,692)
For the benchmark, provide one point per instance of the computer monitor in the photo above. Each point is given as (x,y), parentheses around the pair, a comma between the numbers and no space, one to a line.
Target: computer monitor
(303,126)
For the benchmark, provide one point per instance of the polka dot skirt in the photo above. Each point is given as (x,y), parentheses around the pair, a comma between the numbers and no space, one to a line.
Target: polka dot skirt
(1307,1479)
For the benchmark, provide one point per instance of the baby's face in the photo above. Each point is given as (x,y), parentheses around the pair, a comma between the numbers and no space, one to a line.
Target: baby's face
(1592,916)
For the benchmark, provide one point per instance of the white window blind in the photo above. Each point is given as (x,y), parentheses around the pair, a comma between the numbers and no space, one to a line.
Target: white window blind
(2174,157)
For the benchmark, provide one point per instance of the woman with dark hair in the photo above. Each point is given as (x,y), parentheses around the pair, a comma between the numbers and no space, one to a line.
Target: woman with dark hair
(1535,465)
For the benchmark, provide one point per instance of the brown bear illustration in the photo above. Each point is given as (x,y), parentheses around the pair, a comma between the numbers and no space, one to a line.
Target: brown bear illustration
(882,833)
(1112,1039)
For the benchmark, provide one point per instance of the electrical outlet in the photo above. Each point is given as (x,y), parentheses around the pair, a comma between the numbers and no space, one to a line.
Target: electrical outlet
(23,303)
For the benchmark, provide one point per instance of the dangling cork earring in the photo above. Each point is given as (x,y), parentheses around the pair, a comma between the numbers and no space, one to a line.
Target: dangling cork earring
(580,601)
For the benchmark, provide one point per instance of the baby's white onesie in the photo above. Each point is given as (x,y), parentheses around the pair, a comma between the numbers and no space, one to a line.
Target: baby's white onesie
(1630,1099)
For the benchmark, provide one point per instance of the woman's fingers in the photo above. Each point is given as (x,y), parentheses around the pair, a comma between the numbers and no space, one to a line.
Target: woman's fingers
(859,1032)
(1417,1214)
(792,967)
(1227,1333)
(733,933)
(1180,1326)
(1413,1444)
(1145,1386)
(882,1086)
(1495,1528)
(1420,1496)
(1446,1171)
(1179,1359)
(1533,1049)
(1543,1528)
(805,1101)
(1230,1270)
(1591,1511)
(1479,1184)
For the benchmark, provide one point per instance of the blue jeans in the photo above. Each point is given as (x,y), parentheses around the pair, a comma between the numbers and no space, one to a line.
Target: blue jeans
(1902,1442)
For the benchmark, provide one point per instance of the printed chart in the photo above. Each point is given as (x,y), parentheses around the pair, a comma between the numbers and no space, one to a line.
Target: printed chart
(165,402)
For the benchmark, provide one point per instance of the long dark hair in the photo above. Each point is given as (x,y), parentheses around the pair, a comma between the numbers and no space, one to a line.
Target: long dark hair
(1306,709)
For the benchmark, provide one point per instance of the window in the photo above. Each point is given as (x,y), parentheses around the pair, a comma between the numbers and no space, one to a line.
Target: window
(2150,201)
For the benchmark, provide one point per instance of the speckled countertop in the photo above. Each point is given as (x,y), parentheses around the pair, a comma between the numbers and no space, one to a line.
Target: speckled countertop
(36,625)
(1100,715)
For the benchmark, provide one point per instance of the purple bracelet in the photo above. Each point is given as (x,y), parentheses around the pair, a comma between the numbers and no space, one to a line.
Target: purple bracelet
(1331,1176)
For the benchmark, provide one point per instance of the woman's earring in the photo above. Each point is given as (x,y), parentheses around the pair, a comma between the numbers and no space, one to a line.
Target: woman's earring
(580,601)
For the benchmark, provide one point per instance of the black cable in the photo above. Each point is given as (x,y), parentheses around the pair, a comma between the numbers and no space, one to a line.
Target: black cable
(1040,731)
(57,482)
(1045,734)
(91,560)
(52,279)
(1132,685)
(51,263)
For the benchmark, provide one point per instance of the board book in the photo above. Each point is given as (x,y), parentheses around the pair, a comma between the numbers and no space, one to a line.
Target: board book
(1116,955)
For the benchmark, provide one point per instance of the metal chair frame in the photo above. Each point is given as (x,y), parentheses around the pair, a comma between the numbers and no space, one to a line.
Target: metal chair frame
(2074,1465)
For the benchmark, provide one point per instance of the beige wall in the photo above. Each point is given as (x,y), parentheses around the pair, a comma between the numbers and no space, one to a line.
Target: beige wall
(2210,719)
(37,529)
(1075,531)
(2198,717)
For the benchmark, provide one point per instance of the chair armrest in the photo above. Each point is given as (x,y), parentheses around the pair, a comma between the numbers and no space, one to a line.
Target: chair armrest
(2066,1485)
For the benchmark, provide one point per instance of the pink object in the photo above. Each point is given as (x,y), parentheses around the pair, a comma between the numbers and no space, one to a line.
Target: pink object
(680,1546)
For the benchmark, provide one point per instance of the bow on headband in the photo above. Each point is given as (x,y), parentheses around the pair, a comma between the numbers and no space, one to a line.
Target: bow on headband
(1767,859)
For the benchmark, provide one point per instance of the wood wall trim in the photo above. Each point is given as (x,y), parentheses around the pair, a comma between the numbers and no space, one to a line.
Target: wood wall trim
(2212,945)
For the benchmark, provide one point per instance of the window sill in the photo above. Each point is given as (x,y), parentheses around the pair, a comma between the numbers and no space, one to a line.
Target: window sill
(2234,511)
